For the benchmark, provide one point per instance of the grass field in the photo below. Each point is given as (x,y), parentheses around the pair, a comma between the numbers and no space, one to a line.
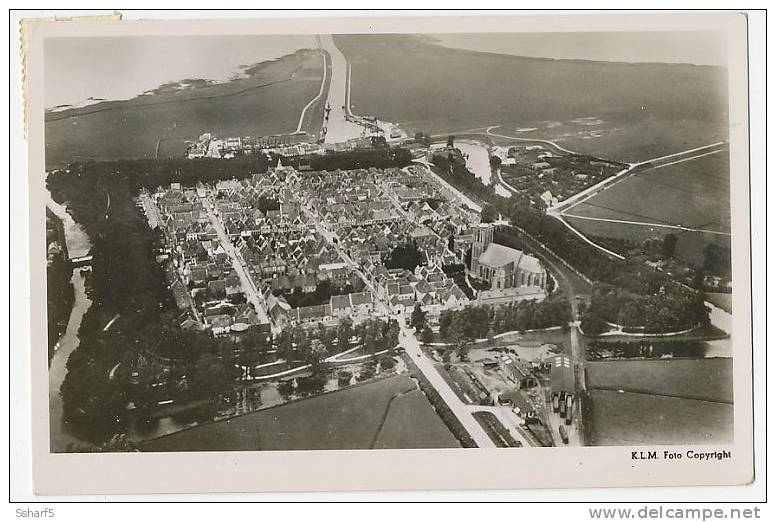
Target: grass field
(723,301)
(694,194)
(268,102)
(645,110)
(625,419)
(705,379)
(406,426)
(356,418)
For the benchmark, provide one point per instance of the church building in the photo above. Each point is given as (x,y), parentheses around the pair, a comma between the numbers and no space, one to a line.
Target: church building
(504,267)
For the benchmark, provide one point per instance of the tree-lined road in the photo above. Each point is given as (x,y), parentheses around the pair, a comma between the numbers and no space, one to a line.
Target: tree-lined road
(462,411)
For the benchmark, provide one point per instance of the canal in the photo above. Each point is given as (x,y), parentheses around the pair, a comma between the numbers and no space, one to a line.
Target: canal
(78,244)
(478,163)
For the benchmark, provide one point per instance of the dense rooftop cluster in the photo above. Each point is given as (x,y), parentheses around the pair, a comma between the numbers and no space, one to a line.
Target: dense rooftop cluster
(317,246)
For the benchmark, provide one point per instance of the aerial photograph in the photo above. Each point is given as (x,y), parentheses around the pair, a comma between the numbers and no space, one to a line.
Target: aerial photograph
(388,241)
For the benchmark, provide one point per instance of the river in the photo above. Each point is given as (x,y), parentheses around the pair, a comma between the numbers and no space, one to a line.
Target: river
(249,398)
(78,244)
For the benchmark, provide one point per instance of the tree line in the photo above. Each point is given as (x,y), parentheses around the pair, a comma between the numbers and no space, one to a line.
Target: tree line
(381,158)
(478,322)
(641,284)
(152,173)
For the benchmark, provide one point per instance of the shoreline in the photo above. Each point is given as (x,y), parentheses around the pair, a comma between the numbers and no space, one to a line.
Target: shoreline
(58,113)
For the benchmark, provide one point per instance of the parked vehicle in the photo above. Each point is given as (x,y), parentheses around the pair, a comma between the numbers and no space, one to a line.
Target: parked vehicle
(563,435)
(563,409)
(569,408)
(555,403)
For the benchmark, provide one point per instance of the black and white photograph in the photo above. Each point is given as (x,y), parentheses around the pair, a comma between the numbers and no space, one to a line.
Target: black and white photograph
(512,240)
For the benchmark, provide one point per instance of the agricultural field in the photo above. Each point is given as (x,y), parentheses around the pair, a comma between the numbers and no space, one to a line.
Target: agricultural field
(693,194)
(626,112)
(410,410)
(628,419)
(704,379)
(359,417)
(269,101)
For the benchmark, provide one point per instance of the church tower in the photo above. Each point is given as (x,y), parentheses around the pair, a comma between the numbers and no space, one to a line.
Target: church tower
(483,236)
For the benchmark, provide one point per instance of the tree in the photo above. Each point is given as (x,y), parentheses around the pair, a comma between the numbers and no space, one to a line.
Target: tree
(208,376)
(488,214)
(285,345)
(459,339)
(391,335)
(669,245)
(450,142)
(344,333)
(593,325)
(427,336)
(316,356)
(418,318)
(716,260)
(405,256)
(462,350)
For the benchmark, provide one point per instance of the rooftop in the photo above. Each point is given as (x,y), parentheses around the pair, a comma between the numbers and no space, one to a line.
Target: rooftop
(499,255)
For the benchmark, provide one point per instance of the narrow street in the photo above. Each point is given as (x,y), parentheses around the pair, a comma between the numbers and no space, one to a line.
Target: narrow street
(251,292)
(410,344)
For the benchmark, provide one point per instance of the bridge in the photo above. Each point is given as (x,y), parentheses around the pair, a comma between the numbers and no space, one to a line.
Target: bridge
(77,262)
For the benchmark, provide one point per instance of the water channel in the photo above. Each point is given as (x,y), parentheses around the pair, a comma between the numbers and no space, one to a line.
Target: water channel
(78,244)
(478,163)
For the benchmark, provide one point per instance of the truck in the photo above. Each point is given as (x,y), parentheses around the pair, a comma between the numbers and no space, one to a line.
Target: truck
(569,409)
(562,383)
(563,435)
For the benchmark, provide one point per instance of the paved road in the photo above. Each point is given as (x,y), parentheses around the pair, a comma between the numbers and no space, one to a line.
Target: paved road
(251,292)
(489,132)
(462,411)
(410,344)
(509,419)
(570,283)
(647,224)
(580,197)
